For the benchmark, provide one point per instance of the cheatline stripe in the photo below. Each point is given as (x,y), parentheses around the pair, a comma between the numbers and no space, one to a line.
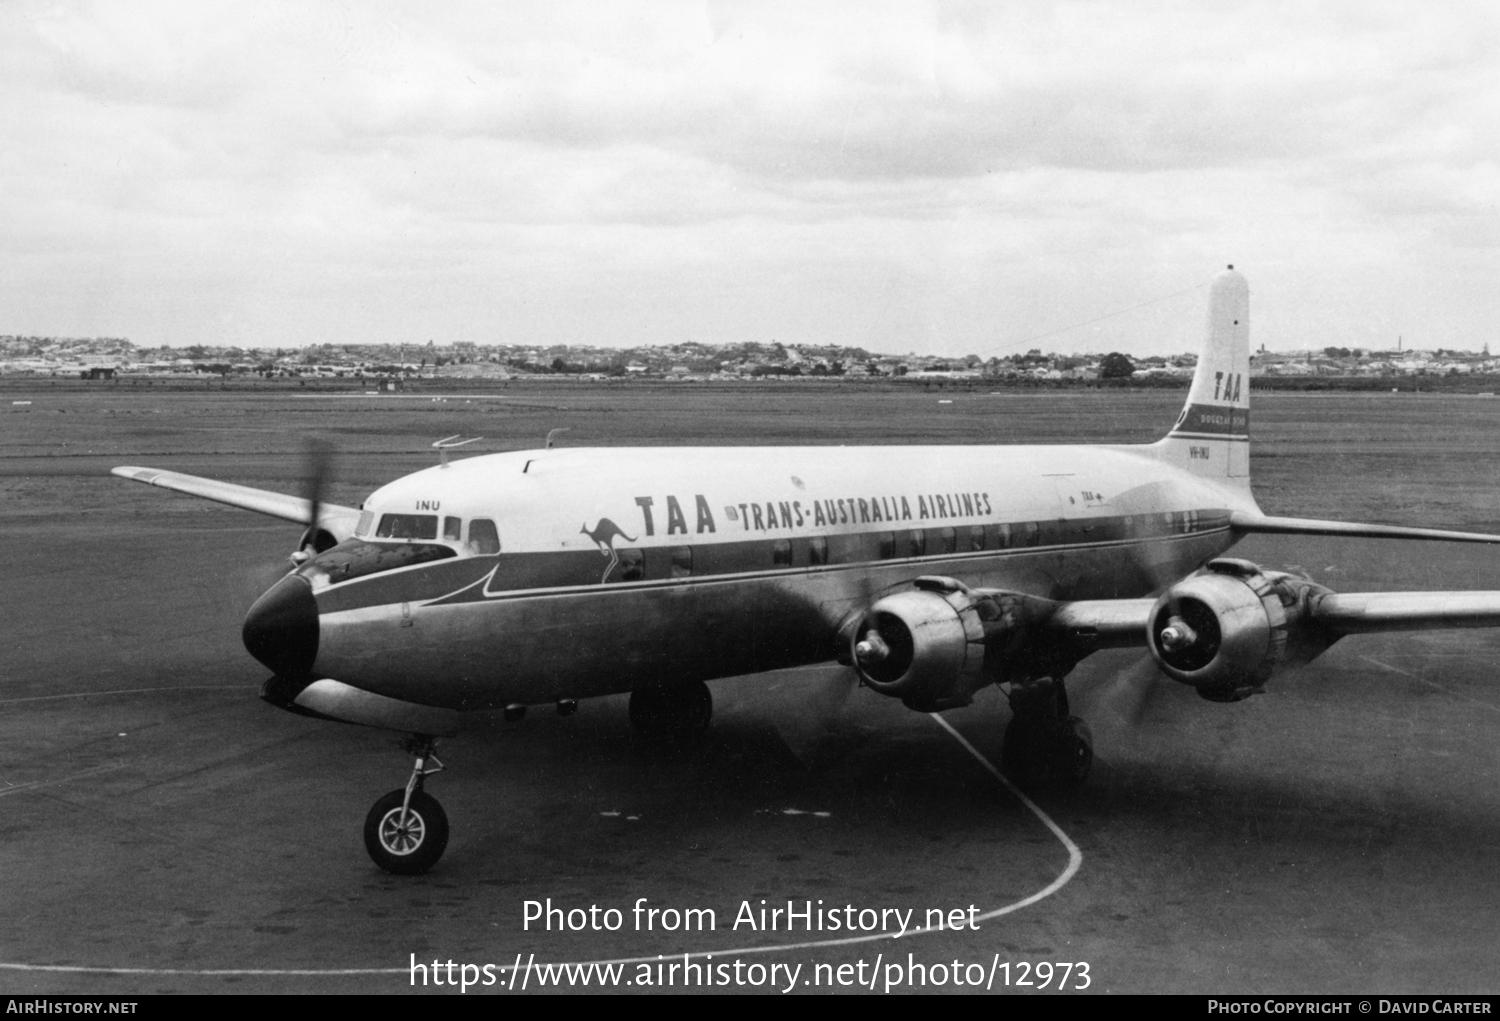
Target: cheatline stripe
(1075,862)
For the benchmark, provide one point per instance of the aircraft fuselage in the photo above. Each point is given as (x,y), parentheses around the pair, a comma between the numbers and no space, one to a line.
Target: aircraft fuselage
(623,568)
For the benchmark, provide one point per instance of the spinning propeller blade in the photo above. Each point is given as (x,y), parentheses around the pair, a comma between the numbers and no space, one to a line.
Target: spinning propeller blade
(317,465)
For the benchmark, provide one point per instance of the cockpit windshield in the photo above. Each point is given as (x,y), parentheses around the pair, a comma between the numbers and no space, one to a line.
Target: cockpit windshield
(407,526)
(468,537)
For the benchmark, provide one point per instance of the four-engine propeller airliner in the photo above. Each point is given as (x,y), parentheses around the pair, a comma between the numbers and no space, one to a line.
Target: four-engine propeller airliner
(545,576)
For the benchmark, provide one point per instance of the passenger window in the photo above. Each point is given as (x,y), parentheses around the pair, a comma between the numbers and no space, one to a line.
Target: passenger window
(453,529)
(632,566)
(976,537)
(483,539)
(781,553)
(817,551)
(887,545)
(1032,534)
(682,562)
(917,543)
(407,526)
(1002,537)
(947,540)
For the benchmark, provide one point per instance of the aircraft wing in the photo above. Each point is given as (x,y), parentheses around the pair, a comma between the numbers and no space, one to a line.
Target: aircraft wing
(1121,623)
(262,501)
(1102,623)
(1248,524)
(1349,613)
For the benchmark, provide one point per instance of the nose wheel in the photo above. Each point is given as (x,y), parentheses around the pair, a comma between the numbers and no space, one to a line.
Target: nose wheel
(406,831)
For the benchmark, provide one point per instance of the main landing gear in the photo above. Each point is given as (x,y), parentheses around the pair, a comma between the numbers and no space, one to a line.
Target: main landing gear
(1043,744)
(407,830)
(674,712)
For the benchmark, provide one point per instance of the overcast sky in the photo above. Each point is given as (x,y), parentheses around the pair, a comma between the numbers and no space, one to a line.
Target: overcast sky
(945,178)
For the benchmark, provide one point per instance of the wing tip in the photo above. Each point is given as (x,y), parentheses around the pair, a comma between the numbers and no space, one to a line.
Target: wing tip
(137,474)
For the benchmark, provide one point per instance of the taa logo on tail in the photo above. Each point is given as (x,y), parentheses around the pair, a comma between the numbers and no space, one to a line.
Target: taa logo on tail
(1227,389)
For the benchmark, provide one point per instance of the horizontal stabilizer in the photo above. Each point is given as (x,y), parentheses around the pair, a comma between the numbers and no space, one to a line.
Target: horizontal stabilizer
(262,501)
(1251,524)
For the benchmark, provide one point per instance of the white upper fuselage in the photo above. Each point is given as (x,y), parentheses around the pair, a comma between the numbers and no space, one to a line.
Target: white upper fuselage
(545,500)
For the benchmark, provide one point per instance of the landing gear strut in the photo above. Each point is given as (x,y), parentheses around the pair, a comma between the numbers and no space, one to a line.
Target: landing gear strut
(407,830)
(1043,743)
(678,711)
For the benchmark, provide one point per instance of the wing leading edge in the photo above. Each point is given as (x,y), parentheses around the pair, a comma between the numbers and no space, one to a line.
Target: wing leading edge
(1253,524)
(1122,623)
(262,501)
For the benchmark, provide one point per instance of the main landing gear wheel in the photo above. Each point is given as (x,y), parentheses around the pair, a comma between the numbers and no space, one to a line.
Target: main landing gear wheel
(1043,744)
(678,711)
(1073,751)
(406,831)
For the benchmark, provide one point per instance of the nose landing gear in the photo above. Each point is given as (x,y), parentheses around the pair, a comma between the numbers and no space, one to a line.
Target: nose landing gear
(406,831)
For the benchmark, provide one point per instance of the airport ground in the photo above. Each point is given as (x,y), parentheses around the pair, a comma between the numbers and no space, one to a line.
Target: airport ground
(1338,833)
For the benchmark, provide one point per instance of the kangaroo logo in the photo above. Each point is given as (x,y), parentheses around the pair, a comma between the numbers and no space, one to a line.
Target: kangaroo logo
(603,535)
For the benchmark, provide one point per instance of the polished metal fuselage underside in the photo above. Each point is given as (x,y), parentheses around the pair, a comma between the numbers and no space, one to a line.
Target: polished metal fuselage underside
(536,646)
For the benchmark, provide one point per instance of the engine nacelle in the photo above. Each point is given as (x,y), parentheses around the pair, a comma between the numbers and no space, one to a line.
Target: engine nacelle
(330,530)
(1227,630)
(924,646)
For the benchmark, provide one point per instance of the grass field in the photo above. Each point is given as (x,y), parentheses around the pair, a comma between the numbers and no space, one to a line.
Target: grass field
(1387,457)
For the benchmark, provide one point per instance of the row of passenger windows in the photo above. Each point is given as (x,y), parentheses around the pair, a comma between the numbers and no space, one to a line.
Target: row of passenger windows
(482,538)
(677,561)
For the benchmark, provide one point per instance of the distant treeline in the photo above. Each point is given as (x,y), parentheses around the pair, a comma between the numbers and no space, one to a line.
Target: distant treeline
(1262,384)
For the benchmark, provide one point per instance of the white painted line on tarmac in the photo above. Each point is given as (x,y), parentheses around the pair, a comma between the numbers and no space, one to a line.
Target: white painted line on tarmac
(1075,862)
(131,691)
(1433,684)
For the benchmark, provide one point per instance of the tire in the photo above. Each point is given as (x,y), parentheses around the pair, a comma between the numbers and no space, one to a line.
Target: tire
(1072,751)
(415,850)
(1039,753)
(679,711)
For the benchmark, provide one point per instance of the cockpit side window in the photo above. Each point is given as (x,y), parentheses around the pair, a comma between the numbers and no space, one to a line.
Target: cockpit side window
(453,529)
(407,526)
(366,519)
(483,539)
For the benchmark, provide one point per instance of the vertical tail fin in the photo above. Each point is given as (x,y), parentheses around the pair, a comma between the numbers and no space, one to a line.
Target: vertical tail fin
(1212,435)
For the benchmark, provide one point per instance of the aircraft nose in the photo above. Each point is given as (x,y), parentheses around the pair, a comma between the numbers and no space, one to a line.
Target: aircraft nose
(281,629)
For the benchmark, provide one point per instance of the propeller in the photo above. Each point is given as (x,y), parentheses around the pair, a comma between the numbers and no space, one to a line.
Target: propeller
(1128,693)
(317,467)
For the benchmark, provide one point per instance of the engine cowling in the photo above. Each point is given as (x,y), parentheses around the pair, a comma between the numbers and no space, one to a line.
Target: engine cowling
(925,646)
(1227,630)
(328,532)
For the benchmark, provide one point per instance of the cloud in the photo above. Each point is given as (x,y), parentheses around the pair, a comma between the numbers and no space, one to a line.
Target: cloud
(992,167)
